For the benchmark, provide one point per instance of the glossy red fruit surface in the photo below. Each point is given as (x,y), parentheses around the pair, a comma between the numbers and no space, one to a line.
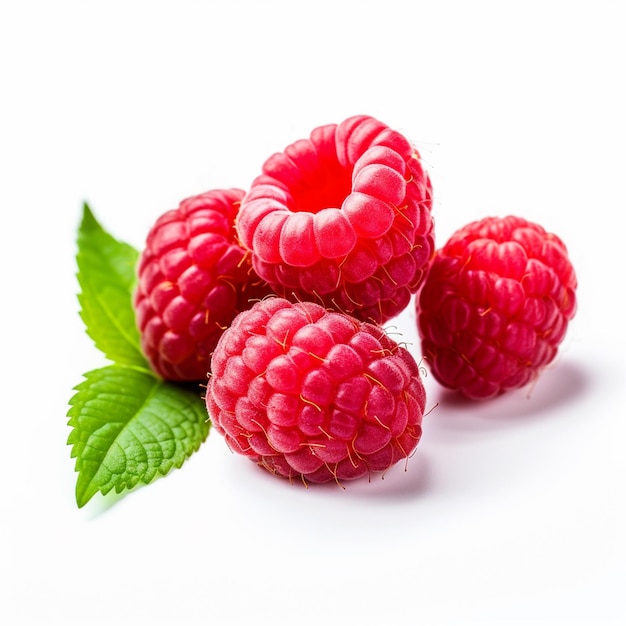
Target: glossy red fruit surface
(312,394)
(193,278)
(495,306)
(343,218)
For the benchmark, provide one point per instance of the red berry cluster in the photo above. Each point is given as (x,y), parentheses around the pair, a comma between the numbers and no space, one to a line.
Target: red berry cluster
(316,394)
(496,305)
(278,295)
(194,277)
(343,217)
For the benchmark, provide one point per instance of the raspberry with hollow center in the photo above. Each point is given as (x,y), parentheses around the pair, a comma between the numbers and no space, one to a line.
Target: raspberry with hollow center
(342,218)
(193,278)
(315,394)
(495,306)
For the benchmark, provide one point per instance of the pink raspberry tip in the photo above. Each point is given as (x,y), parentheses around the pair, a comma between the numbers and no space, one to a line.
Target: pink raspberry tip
(314,394)
(193,278)
(342,218)
(495,306)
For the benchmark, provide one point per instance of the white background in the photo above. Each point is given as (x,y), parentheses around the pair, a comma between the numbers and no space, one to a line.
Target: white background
(511,511)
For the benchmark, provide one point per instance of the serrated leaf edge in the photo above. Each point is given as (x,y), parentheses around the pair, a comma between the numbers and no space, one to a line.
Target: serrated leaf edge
(86,494)
(90,223)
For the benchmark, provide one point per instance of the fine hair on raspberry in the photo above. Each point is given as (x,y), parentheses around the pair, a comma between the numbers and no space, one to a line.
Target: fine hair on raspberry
(495,306)
(312,394)
(193,278)
(342,218)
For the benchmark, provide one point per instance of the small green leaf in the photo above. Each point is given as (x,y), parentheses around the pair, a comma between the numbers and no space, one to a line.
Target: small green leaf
(129,427)
(106,275)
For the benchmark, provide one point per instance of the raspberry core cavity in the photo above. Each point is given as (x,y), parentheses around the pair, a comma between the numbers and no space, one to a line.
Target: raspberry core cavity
(342,218)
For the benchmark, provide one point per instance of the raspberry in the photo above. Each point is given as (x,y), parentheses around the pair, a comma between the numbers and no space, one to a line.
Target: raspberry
(342,218)
(316,394)
(193,278)
(495,305)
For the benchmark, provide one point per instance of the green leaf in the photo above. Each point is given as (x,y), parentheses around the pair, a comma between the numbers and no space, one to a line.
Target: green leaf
(129,427)
(106,275)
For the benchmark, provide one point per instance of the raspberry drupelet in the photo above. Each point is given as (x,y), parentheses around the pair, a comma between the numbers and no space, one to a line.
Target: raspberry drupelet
(193,278)
(495,306)
(342,218)
(313,394)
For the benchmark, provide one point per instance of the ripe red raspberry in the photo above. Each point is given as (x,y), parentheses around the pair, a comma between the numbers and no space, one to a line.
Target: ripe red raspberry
(342,218)
(193,278)
(314,394)
(495,305)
